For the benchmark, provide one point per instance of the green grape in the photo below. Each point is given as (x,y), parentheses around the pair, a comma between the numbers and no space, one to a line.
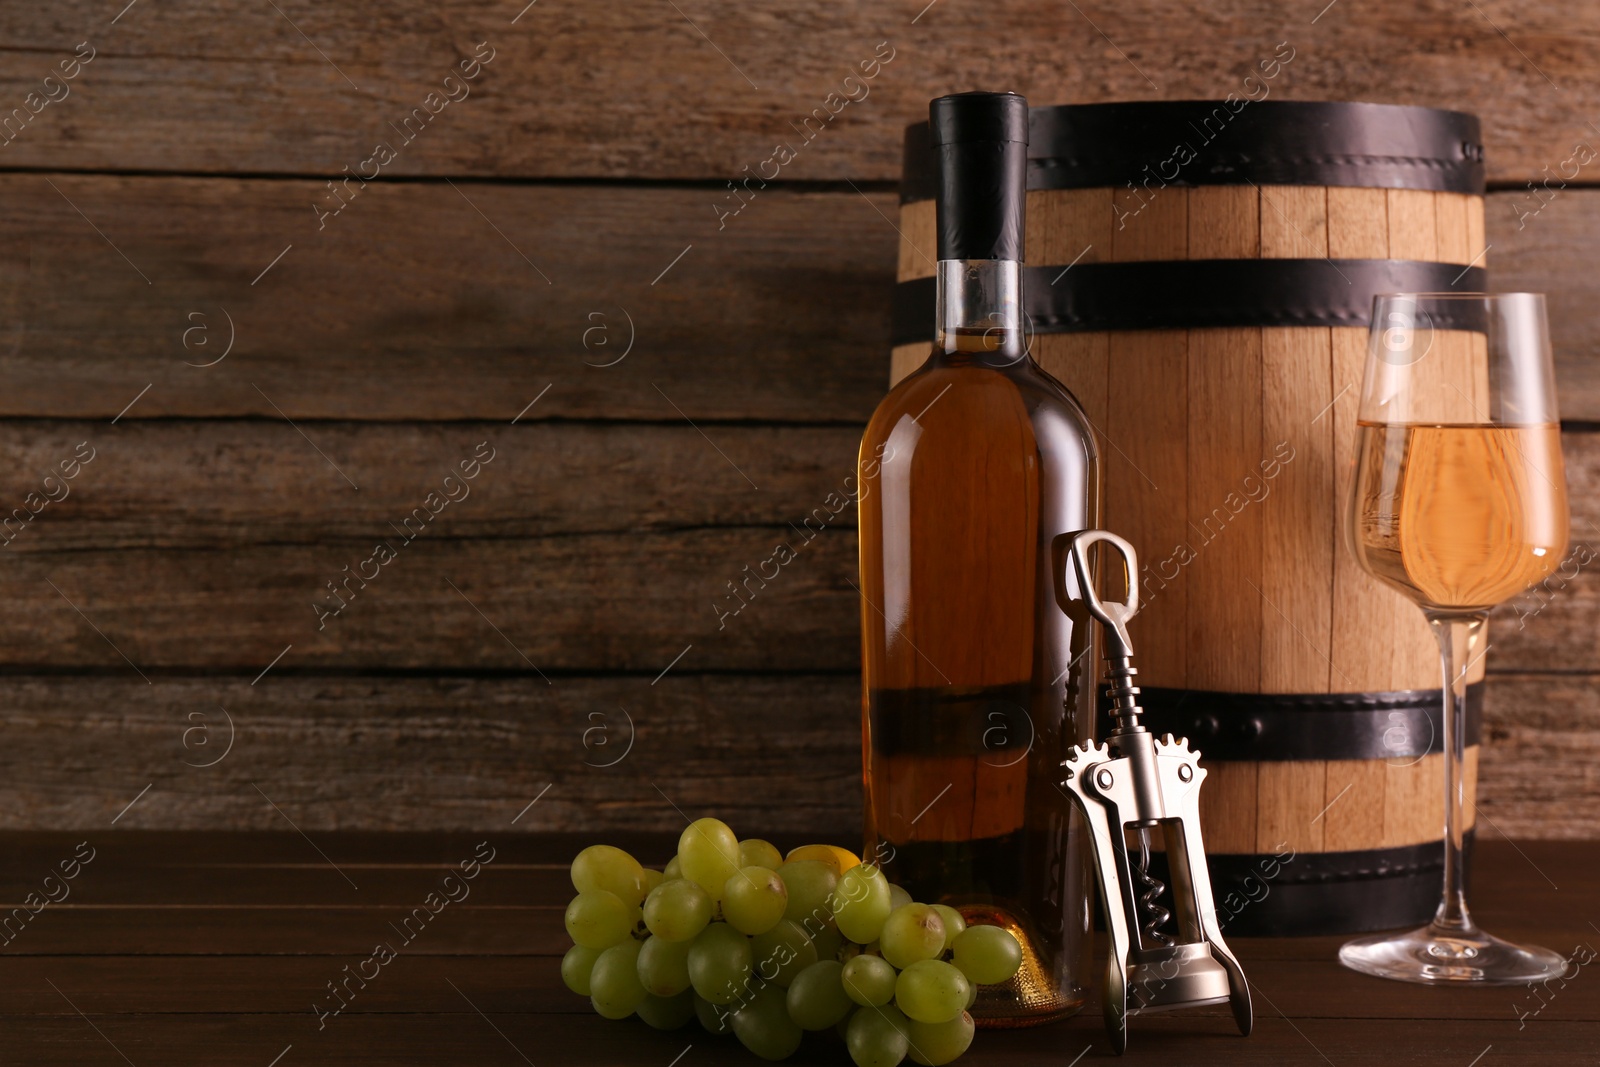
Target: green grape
(614,987)
(817,999)
(782,952)
(672,870)
(972,994)
(664,967)
(931,991)
(598,919)
(652,878)
(708,853)
(575,968)
(861,903)
(667,1013)
(840,859)
(753,900)
(677,910)
(869,981)
(987,954)
(878,1037)
(934,1044)
(912,932)
(611,869)
(719,963)
(829,942)
(713,1017)
(810,883)
(898,896)
(763,1025)
(953,923)
(754,852)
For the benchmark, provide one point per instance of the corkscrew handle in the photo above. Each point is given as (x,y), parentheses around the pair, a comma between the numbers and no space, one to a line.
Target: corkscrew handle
(1114,616)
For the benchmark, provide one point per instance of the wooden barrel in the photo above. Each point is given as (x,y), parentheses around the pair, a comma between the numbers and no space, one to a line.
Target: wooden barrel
(1200,276)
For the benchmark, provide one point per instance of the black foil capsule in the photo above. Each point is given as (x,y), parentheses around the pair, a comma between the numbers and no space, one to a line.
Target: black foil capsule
(981,142)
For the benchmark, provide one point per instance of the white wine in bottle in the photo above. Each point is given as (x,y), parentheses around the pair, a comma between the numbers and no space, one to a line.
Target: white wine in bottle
(976,679)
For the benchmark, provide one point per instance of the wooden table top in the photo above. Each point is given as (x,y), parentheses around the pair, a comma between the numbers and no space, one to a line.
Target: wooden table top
(218,949)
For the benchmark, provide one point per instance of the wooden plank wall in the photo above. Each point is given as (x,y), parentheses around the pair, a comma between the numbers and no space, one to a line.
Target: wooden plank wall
(655,377)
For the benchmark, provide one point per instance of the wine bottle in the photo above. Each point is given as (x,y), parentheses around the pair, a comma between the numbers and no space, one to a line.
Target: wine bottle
(978,672)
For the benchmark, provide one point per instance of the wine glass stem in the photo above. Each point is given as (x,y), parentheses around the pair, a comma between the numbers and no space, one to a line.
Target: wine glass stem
(1460,638)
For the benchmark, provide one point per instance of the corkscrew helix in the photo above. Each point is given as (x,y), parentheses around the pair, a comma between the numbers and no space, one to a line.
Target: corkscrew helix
(1160,958)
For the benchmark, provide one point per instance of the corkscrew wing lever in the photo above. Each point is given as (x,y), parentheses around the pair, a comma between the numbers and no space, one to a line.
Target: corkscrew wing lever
(1135,784)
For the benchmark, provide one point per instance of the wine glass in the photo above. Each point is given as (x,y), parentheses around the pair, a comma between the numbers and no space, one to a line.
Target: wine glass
(1459,501)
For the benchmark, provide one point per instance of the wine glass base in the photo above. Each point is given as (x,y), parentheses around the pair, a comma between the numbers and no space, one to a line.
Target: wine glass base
(1437,955)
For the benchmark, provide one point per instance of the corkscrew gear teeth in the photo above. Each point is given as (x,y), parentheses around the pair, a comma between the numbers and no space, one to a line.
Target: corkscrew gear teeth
(1082,756)
(1160,957)
(1180,747)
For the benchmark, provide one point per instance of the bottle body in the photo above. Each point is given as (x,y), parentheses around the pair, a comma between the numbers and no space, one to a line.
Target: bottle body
(978,673)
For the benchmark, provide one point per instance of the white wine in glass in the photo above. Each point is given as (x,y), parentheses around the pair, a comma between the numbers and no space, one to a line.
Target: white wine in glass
(1459,501)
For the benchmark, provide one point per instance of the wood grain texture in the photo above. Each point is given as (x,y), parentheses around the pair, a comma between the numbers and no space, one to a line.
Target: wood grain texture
(1065,226)
(215,483)
(1358,223)
(1542,733)
(1294,221)
(782,753)
(170,91)
(1551,253)
(238,525)
(1227,606)
(584,602)
(1413,225)
(1263,807)
(1302,988)
(1082,363)
(1353,803)
(1229,812)
(423,301)
(1069,225)
(410,305)
(1413,801)
(1142,366)
(430,753)
(919,242)
(1227,611)
(1224,222)
(444,1029)
(1453,230)
(315,914)
(138,882)
(1296,411)
(1290,797)
(1297,424)
(1150,225)
(1296,636)
(1555,626)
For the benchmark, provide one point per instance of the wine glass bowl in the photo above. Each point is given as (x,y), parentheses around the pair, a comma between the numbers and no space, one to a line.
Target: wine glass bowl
(1459,517)
(1459,502)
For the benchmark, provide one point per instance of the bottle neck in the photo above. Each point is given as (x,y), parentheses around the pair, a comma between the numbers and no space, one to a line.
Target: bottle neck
(979,310)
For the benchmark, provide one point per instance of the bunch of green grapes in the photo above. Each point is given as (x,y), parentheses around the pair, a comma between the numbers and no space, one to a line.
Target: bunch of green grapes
(765,946)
